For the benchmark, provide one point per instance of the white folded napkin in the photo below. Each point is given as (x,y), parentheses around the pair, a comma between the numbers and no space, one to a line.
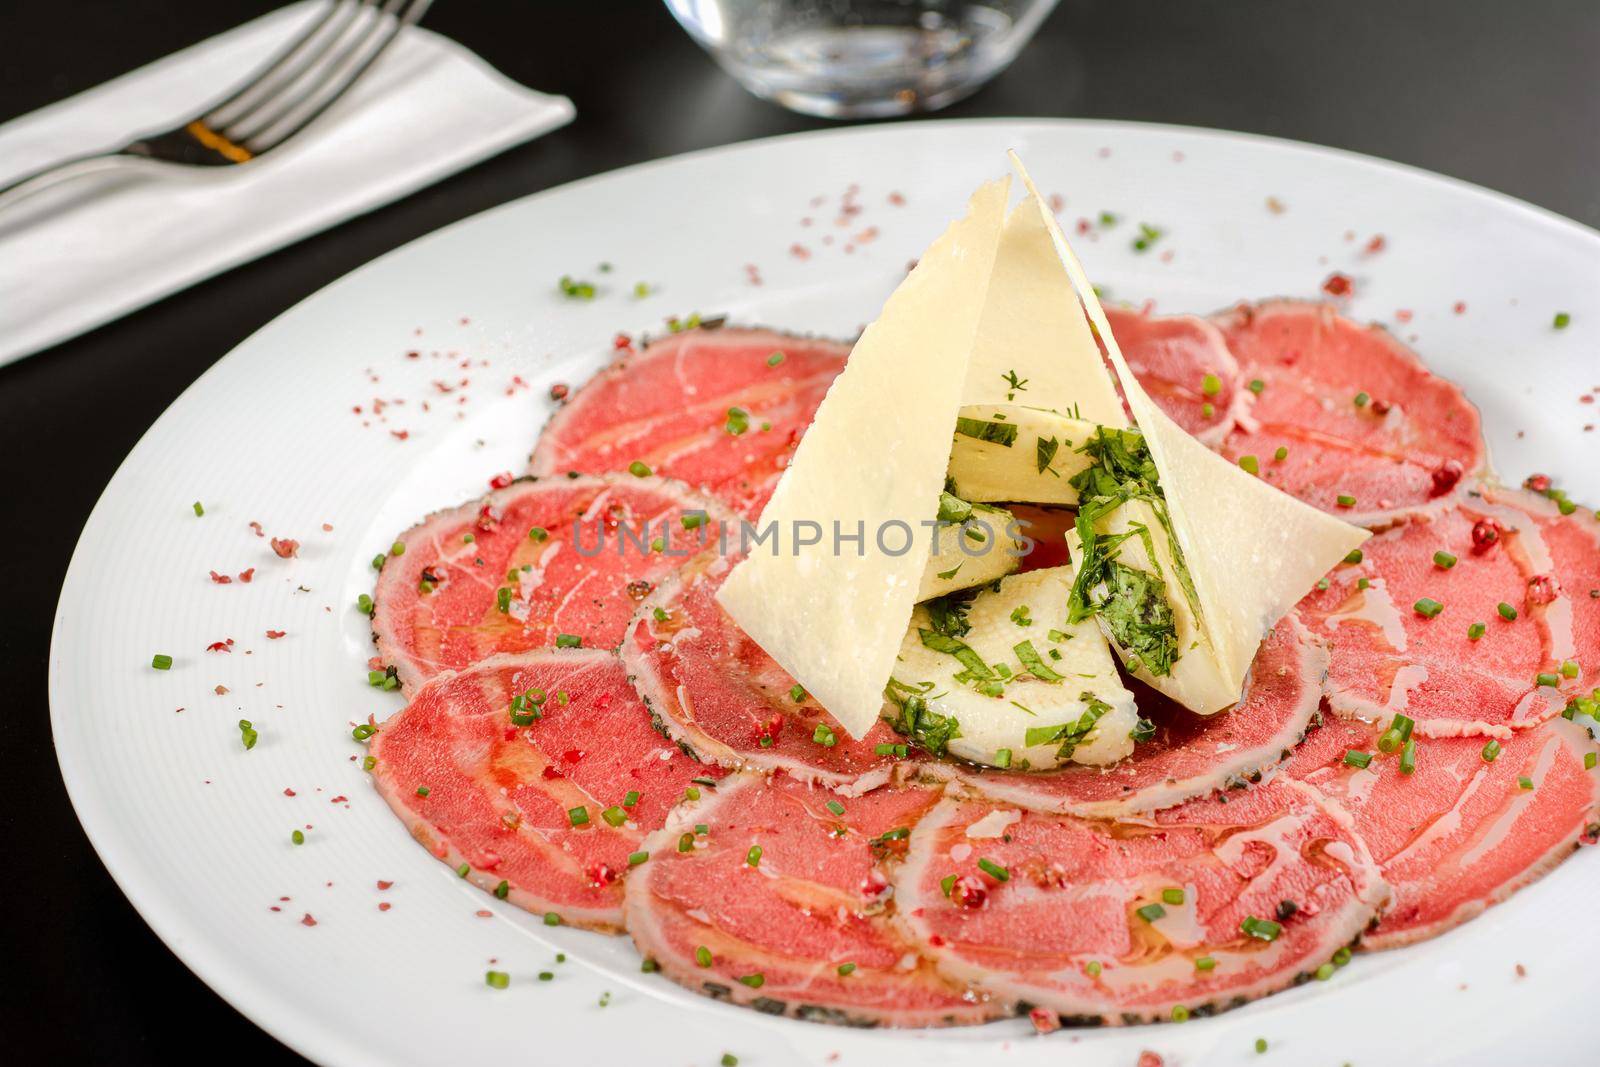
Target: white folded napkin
(427,109)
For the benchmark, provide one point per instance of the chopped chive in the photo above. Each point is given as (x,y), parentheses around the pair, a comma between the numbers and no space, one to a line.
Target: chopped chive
(578,816)
(1206,963)
(947,883)
(1408,757)
(547,976)
(691,793)
(1561,322)
(397,549)
(753,857)
(377,561)
(502,600)
(702,956)
(1390,741)
(569,641)
(614,816)
(538,533)
(1260,929)
(298,837)
(1281,453)
(1427,607)
(1180,1013)
(1353,758)
(797,693)
(1570,668)
(1354,556)
(1590,759)
(1172,896)
(729,1060)
(1361,400)
(552,919)
(636,858)
(198,510)
(1363,583)
(1325,972)
(846,969)
(368,762)
(1475,631)
(1250,464)
(1256,385)
(502,890)
(1491,751)
(686,843)
(835,807)
(1403,725)
(496,979)
(775,359)
(1207,411)
(638,469)
(1546,680)
(423,790)
(1261,1044)
(1341,956)
(1151,912)
(1507,612)
(649,966)
(824,736)
(994,870)
(161,661)
(247,734)
(1211,385)
(1443,559)
(1524,782)
(1345,500)
(754,981)
(364,604)
(463,870)
(631,799)
(1002,758)
(738,421)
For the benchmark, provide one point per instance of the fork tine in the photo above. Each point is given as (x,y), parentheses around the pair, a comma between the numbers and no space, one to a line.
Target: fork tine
(283,68)
(333,80)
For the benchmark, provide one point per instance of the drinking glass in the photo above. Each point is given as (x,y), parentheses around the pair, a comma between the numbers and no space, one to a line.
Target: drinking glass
(862,58)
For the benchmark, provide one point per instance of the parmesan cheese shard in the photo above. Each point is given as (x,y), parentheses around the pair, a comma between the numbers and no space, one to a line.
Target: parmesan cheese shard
(873,458)
(1251,551)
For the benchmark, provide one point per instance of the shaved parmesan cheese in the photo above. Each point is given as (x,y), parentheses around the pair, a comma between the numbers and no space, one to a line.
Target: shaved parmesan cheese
(975,552)
(873,458)
(1016,453)
(1250,550)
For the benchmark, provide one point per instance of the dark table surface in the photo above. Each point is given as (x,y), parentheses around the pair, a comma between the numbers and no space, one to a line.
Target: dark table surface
(1500,94)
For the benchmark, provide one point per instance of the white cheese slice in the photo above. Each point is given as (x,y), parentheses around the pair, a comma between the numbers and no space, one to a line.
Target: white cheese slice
(1033,341)
(1015,453)
(1252,551)
(985,547)
(1077,663)
(875,455)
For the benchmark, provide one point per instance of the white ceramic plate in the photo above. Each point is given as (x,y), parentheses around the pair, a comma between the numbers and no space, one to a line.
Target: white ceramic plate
(196,830)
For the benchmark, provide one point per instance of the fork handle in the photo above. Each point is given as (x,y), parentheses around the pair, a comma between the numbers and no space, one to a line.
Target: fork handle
(57,173)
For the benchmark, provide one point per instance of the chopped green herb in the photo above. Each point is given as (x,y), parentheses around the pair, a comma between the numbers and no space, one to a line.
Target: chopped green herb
(754,981)
(552,919)
(578,816)
(1546,680)
(1172,895)
(1507,612)
(1524,782)
(1281,454)
(161,661)
(198,510)
(1475,631)
(846,969)
(1151,912)
(575,290)
(1562,320)
(503,889)
(639,469)
(1427,607)
(797,693)
(1256,385)
(1362,400)
(1353,758)
(753,856)
(835,807)
(1408,758)
(1345,500)
(994,870)
(1261,1044)
(298,837)
(1260,929)
(569,641)
(1570,668)
(423,790)
(1211,385)
(775,359)
(824,735)
(1250,464)
(738,421)
(999,433)
(1354,556)
(636,858)
(1205,963)
(614,816)
(496,979)
(1002,758)
(538,533)
(1443,559)
(1491,751)
(1180,1013)
(702,956)
(247,734)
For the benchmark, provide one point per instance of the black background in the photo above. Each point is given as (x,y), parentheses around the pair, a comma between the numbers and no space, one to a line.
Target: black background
(1503,94)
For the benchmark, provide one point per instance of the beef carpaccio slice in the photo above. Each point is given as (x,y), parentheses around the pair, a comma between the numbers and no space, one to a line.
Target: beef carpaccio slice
(720,409)
(1185,365)
(1566,550)
(553,808)
(1045,909)
(1389,656)
(715,690)
(1460,832)
(1408,449)
(1190,755)
(774,928)
(575,556)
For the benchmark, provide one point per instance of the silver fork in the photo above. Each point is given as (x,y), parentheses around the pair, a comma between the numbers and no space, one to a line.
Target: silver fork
(282,98)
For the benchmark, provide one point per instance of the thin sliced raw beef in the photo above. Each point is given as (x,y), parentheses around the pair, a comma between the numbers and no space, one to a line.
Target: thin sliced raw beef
(772,929)
(1191,755)
(1047,529)
(582,553)
(1407,450)
(1059,925)
(1387,656)
(1459,833)
(532,807)
(672,406)
(1571,555)
(1184,364)
(713,689)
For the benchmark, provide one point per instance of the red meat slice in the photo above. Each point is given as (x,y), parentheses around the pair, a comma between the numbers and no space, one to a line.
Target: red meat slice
(712,688)
(1406,451)
(1172,355)
(1191,755)
(1059,925)
(478,790)
(1459,833)
(565,583)
(1386,656)
(1571,555)
(669,406)
(773,929)
(1047,529)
